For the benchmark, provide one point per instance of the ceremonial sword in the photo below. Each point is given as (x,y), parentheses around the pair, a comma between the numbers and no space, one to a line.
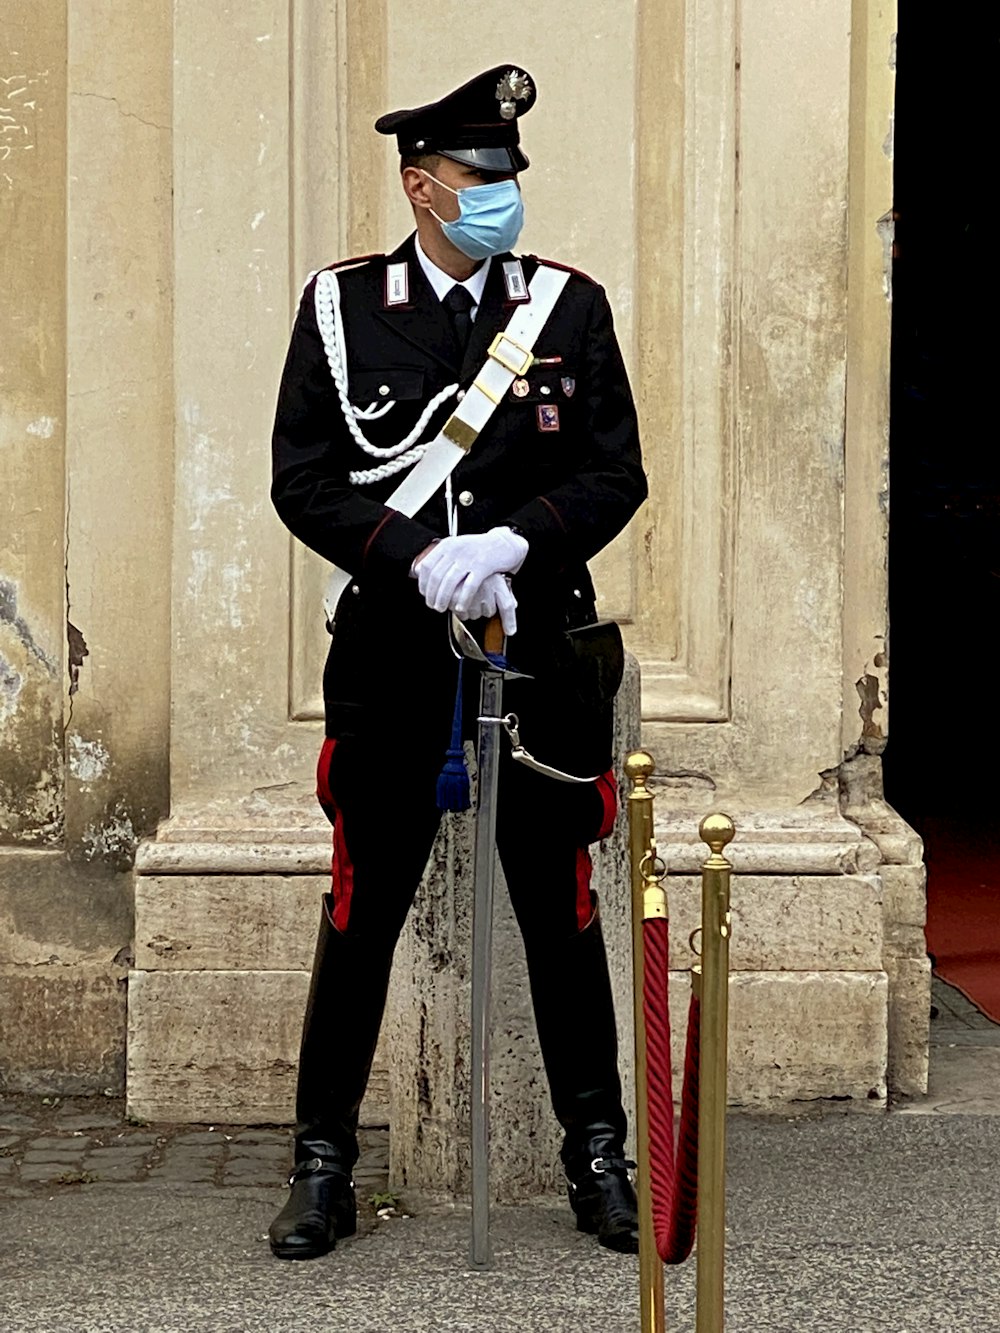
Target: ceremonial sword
(494,670)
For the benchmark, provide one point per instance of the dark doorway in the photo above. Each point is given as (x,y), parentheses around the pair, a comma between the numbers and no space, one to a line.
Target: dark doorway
(942,762)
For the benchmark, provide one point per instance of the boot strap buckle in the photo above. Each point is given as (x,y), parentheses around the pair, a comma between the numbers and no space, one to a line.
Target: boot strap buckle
(313,1164)
(307,1168)
(600,1165)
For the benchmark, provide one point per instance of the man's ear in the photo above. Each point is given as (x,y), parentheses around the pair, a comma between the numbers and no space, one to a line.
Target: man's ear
(416,187)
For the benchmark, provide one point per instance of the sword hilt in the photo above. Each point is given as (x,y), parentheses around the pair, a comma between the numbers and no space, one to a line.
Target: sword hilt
(493,637)
(464,645)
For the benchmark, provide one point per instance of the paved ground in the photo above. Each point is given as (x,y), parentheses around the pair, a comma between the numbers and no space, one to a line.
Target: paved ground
(80,1142)
(965,1060)
(850,1222)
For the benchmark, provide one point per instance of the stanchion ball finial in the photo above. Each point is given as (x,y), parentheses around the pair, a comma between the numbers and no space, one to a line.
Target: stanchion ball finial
(639,767)
(717,830)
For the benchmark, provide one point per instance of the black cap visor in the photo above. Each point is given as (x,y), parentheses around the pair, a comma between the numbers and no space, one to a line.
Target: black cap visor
(487,159)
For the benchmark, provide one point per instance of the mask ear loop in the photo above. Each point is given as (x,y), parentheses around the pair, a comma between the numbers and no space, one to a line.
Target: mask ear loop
(456,193)
(441,183)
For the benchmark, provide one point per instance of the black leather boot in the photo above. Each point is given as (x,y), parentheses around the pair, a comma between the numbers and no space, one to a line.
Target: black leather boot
(350,978)
(601,1193)
(320,1210)
(574,1013)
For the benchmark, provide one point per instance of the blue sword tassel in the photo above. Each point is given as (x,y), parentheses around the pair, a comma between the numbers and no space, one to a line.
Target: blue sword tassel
(453,792)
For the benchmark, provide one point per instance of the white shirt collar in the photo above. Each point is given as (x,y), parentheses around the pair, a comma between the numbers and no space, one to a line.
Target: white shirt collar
(442,282)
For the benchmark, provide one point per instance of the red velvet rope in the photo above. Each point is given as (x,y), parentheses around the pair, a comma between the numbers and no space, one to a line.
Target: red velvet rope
(673,1173)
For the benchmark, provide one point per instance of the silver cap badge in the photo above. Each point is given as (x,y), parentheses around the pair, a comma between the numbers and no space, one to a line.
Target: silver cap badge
(513,87)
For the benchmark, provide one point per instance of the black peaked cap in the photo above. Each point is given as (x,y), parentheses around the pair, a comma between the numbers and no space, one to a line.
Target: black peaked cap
(476,124)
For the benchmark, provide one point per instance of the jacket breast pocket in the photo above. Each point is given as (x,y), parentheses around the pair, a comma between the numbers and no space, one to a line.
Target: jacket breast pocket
(376,388)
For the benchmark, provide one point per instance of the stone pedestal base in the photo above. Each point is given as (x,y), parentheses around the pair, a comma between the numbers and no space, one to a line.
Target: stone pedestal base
(430,1009)
(428,1032)
(216,998)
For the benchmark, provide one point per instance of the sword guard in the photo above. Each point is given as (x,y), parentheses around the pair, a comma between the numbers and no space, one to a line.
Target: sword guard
(464,644)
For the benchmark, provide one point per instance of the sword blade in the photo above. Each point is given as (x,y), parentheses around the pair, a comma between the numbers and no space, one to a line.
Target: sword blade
(490,700)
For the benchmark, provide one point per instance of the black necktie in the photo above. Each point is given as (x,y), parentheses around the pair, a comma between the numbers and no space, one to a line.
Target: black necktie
(459,303)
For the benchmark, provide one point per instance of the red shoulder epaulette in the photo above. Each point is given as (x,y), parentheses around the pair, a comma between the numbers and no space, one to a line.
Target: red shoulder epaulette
(566,268)
(343,263)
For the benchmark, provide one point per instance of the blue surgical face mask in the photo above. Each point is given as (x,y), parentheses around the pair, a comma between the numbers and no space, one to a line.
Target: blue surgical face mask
(489,220)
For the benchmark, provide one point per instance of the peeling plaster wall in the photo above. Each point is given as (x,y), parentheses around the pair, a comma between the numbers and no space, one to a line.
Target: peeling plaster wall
(32,425)
(119,427)
(86,454)
(865,726)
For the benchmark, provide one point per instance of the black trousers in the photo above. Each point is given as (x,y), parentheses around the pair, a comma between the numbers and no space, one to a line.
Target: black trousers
(544,829)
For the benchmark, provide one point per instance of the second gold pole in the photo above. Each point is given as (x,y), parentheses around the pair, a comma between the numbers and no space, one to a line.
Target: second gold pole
(717,831)
(639,768)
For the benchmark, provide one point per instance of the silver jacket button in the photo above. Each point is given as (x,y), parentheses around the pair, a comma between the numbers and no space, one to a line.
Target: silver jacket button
(465,498)
(384,390)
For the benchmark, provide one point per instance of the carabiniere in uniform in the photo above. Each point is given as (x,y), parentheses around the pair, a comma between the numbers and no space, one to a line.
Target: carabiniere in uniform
(456,435)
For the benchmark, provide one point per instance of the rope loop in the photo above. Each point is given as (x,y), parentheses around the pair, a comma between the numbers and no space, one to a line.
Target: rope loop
(673,1172)
(395,457)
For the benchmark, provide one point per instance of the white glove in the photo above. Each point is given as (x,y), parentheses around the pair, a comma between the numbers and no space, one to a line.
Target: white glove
(452,573)
(494,598)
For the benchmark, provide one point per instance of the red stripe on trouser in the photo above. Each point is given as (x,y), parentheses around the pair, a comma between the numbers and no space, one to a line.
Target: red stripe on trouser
(584,903)
(607,789)
(342,869)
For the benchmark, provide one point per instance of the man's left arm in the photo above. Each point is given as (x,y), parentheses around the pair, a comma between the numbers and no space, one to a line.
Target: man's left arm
(577,518)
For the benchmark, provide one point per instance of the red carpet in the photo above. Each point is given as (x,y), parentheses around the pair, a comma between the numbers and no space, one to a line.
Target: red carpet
(963,909)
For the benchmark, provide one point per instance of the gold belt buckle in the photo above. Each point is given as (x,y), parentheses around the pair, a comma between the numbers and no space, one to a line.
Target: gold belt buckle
(508,363)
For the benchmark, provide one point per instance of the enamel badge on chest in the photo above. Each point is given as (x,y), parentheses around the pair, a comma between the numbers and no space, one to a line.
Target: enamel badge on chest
(513,280)
(397,284)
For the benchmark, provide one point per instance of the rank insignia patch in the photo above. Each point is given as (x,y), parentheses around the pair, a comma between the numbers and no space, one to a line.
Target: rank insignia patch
(568,385)
(513,277)
(519,388)
(548,416)
(397,284)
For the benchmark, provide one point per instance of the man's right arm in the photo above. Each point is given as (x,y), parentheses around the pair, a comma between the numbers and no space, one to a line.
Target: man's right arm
(312,454)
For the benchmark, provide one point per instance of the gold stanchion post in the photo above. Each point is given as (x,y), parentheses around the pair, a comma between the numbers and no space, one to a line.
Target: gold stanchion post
(639,768)
(716,830)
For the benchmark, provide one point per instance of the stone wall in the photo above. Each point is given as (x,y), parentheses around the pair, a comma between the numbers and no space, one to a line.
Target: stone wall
(160,646)
(85,436)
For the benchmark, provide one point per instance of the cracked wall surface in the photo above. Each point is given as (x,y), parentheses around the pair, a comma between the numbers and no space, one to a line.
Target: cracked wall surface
(86,448)
(865,722)
(32,428)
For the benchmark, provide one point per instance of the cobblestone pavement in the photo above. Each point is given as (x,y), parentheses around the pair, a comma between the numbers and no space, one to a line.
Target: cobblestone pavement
(75,1142)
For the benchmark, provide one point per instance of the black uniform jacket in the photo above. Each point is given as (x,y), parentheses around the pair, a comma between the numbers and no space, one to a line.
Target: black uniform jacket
(560,462)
